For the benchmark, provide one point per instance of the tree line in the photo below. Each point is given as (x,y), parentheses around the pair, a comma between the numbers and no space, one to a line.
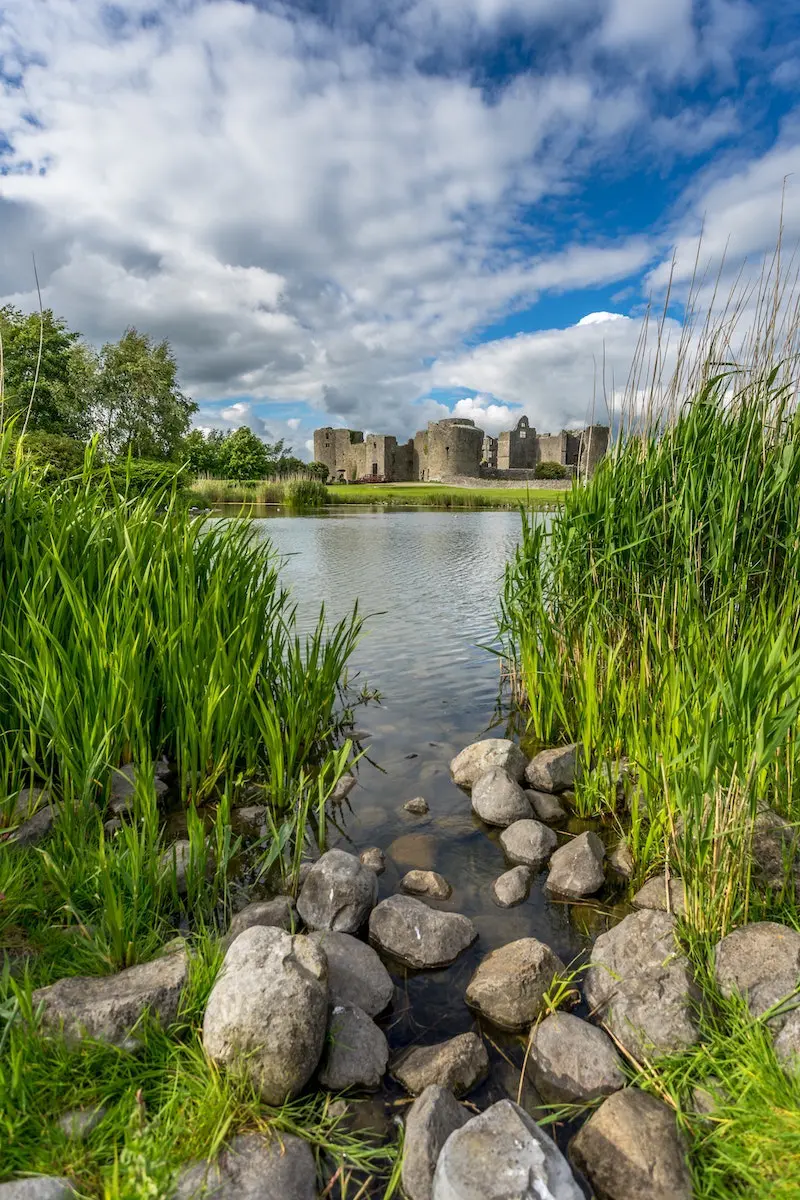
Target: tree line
(62,392)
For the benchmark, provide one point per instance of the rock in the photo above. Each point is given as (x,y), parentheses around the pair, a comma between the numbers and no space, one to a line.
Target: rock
(707,1097)
(654,895)
(267,1011)
(250,821)
(576,869)
(417,935)
(414,850)
(426,883)
(787,1044)
(774,846)
(356,976)
(547,807)
(572,1061)
(338,893)
(512,887)
(640,985)
(433,1116)
(303,872)
(762,962)
(280,912)
(29,801)
(508,1078)
(178,857)
(78,1123)
(356,1053)
(374,858)
(35,829)
(620,860)
(500,1154)
(498,799)
(552,770)
(630,1148)
(112,826)
(528,842)
(458,1065)
(343,788)
(418,806)
(39,1187)
(122,790)
(368,1114)
(253,1167)
(468,766)
(107,1008)
(510,984)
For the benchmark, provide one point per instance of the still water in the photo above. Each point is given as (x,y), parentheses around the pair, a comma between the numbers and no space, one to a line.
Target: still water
(429,583)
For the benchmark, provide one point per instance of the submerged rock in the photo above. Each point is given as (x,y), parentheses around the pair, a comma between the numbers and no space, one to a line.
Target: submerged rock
(468,766)
(418,806)
(548,808)
(250,821)
(108,1008)
(576,869)
(553,770)
(433,1116)
(641,986)
(338,893)
(356,1053)
(512,887)
(510,984)
(343,788)
(631,1148)
(426,883)
(267,1011)
(280,912)
(655,894)
(356,976)
(500,1154)
(620,860)
(572,1061)
(253,1167)
(374,858)
(528,842)
(761,961)
(459,1065)
(417,935)
(498,799)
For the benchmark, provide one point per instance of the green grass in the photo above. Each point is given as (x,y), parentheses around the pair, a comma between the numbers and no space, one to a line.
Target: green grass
(303,495)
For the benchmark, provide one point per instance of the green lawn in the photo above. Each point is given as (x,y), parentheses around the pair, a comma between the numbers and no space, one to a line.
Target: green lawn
(440,495)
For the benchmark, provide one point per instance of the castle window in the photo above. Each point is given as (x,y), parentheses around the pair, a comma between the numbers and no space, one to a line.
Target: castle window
(447,451)
(523,433)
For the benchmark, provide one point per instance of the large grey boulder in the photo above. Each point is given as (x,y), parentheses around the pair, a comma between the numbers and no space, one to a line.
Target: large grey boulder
(356,976)
(468,766)
(631,1148)
(761,961)
(458,1065)
(502,1154)
(576,869)
(433,1116)
(39,1187)
(280,912)
(663,895)
(253,1167)
(528,842)
(641,986)
(553,770)
(510,984)
(267,1011)
(512,887)
(356,1053)
(417,935)
(339,893)
(498,799)
(426,883)
(572,1061)
(108,1008)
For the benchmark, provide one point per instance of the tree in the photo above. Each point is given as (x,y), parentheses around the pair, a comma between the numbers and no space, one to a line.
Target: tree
(245,456)
(318,469)
(39,356)
(139,408)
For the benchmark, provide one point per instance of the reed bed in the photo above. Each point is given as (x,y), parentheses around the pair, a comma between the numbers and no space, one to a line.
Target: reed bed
(296,493)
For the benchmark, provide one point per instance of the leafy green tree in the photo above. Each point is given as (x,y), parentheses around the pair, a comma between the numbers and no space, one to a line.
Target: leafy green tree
(245,456)
(37,364)
(202,451)
(318,469)
(140,410)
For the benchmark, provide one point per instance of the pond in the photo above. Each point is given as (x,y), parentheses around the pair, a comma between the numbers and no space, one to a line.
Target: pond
(429,582)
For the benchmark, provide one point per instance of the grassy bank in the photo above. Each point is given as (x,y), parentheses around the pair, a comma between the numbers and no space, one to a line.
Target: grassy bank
(655,622)
(312,494)
(131,635)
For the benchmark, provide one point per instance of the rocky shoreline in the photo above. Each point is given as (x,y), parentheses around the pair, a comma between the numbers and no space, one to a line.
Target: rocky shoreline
(294,1010)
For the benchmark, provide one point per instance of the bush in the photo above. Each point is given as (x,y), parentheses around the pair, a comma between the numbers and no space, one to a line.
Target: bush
(550,470)
(61,456)
(306,493)
(143,476)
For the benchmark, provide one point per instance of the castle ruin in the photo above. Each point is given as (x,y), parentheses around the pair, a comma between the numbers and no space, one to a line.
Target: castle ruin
(455,448)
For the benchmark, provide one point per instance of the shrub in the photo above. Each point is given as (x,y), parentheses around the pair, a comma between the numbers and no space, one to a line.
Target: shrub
(550,470)
(306,493)
(61,456)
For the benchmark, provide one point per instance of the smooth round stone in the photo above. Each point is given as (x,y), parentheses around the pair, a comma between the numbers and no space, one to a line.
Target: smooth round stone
(512,887)
(529,843)
(498,799)
(426,883)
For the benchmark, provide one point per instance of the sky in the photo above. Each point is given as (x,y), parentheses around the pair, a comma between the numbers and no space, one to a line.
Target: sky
(373,213)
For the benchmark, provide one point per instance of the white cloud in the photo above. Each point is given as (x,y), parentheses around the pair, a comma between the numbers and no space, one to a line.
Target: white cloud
(599,318)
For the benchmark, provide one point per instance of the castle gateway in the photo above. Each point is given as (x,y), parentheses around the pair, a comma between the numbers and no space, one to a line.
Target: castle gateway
(456,448)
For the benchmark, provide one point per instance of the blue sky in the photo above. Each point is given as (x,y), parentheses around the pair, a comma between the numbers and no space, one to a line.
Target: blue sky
(368,213)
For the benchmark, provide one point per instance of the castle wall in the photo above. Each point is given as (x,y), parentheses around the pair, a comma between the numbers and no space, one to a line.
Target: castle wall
(594,446)
(455,447)
(553,447)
